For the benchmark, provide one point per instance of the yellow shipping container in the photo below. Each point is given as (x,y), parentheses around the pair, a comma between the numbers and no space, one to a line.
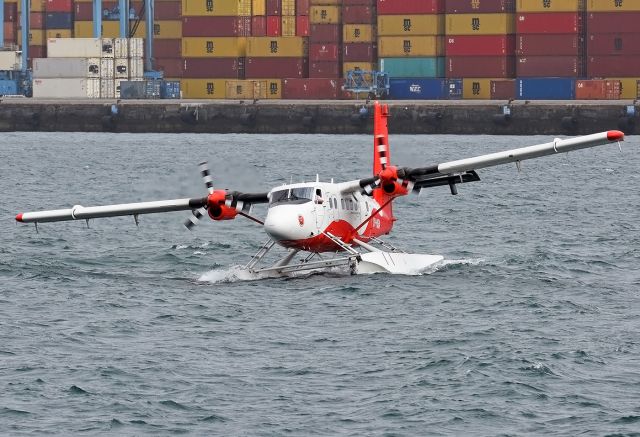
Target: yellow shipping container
(324,14)
(548,5)
(253,89)
(37,37)
(288,25)
(358,33)
(613,5)
(479,88)
(391,25)
(214,47)
(34,5)
(216,8)
(288,7)
(400,46)
(365,66)
(259,7)
(282,47)
(167,29)
(110,29)
(479,24)
(628,87)
(59,33)
(202,88)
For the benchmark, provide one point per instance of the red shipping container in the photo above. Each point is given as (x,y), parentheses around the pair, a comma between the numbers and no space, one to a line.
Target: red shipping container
(324,52)
(548,44)
(225,68)
(358,15)
(479,7)
(268,68)
(58,6)
(359,52)
(302,25)
(37,52)
(216,26)
(325,33)
(167,48)
(325,69)
(274,25)
(399,7)
(480,45)
(83,11)
(503,89)
(10,30)
(258,26)
(274,7)
(598,89)
(540,22)
(314,89)
(549,66)
(613,44)
(10,12)
(359,2)
(480,66)
(167,10)
(36,20)
(613,66)
(302,7)
(172,67)
(607,22)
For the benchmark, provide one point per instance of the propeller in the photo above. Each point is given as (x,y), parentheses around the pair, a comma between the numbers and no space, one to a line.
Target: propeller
(197,214)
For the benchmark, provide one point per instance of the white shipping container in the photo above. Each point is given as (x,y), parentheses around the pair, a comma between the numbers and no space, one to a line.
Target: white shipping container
(108,49)
(136,48)
(74,47)
(107,89)
(121,68)
(66,88)
(136,68)
(106,68)
(121,46)
(66,67)
(10,60)
(117,85)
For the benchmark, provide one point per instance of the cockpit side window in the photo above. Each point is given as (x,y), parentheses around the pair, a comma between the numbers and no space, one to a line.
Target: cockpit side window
(291,196)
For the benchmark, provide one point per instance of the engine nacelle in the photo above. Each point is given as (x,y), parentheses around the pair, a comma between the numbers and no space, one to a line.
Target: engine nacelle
(216,206)
(389,182)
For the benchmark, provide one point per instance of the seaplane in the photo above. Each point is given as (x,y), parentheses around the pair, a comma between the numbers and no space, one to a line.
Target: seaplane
(332,224)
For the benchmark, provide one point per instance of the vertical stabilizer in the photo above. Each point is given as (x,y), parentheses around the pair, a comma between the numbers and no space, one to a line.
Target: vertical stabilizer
(381,159)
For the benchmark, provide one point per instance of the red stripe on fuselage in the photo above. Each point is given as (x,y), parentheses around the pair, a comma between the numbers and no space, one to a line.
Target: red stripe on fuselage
(321,243)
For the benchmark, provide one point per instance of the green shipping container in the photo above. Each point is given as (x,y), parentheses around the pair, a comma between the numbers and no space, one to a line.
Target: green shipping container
(413,67)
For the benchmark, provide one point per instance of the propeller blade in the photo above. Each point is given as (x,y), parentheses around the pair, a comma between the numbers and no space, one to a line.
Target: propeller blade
(206,176)
(194,219)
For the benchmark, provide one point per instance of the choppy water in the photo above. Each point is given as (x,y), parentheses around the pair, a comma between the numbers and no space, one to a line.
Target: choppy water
(530,327)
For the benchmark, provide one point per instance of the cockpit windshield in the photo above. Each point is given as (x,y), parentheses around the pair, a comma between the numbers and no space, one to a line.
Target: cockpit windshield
(291,196)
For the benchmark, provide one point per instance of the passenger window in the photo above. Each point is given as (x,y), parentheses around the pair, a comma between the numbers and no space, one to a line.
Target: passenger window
(342,203)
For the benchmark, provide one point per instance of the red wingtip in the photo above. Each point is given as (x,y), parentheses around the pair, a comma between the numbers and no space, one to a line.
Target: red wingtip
(19,217)
(615,135)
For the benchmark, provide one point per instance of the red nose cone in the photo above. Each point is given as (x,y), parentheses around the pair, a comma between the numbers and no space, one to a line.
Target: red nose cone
(19,217)
(615,135)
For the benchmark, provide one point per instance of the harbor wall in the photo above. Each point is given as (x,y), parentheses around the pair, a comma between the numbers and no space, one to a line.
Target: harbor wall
(338,117)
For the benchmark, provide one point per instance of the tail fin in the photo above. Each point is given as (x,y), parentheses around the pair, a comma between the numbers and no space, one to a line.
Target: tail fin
(381,159)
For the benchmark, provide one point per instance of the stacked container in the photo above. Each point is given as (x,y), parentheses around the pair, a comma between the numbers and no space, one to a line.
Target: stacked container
(83,14)
(167,45)
(359,42)
(10,24)
(613,43)
(325,59)
(37,30)
(58,18)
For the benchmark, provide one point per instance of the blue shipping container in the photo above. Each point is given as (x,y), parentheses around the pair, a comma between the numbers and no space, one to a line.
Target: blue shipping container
(546,88)
(418,89)
(59,20)
(170,90)
(8,87)
(413,67)
(455,89)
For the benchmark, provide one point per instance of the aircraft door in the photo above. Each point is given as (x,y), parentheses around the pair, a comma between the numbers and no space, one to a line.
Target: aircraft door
(321,206)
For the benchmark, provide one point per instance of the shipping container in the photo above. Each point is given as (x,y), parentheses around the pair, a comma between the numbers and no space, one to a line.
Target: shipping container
(480,66)
(324,33)
(36,52)
(549,5)
(203,88)
(167,29)
(399,7)
(627,44)
(478,6)
(11,12)
(36,37)
(288,7)
(107,88)
(454,89)
(74,47)
(611,66)
(216,8)
(228,68)
(561,22)
(107,66)
(36,20)
(120,47)
(628,86)
(324,52)
(34,5)
(172,67)
(364,66)
(170,10)
(411,46)
(322,69)
(413,67)
(273,7)
(418,89)
(315,89)
(58,33)
(545,89)
(400,25)
(302,7)
(274,24)
(607,22)
(480,45)
(303,25)
(269,67)
(170,89)
(548,44)
(58,6)
(613,6)
(10,60)
(503,89)
(549,66)
(359,52)
(479,24)
(58,20)
(288,47)
(66,88)
(358,14)
(216,26)
(324,14)
(358,33)
(136,47)
(214,47)
(258,7)
(476,88)
(288,25)
(10,30)
(253,89)
(259,26)
(598,89)
(8,87)
(136,68)
(121,68)
(167,48)
(110,29)
(66,67)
